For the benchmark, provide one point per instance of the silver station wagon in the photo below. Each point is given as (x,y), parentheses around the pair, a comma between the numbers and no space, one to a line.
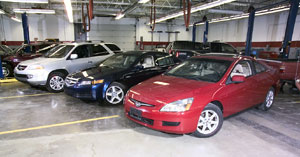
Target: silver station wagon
(51,69)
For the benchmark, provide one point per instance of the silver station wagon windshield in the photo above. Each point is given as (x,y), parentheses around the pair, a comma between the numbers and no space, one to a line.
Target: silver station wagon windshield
(59,51)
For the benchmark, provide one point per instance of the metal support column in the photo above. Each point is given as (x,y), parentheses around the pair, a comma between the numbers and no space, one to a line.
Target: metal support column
(204,19)
(25,31)
(1,73)
(294,4)
(250,31)
(194,32)
(205,34)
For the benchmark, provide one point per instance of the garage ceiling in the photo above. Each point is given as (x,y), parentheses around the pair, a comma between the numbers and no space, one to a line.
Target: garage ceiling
(110,8)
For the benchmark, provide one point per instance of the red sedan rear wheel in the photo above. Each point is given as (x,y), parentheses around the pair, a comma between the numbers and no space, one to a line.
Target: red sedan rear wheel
(268,103)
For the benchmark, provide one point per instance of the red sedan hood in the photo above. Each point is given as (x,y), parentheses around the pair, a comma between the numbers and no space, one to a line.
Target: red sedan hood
(166,89)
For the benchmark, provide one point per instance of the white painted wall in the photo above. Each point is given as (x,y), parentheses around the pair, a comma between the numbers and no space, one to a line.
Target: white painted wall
(144,30)
(266,28)
(40,26)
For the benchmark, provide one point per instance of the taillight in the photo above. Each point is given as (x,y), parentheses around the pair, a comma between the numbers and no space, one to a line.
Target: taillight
(177,54)
(282,69)
(170,51)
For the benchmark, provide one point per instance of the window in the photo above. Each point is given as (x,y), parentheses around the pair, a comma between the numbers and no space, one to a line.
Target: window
(45,49)
(201,69)
(59,51)
(215,47)
(187,45)
(113,47)
(147,62)
(259,67)
(228,49)
(99,50)
(82,51)
(198,46)
(120,61)
(164,61)
(242,68)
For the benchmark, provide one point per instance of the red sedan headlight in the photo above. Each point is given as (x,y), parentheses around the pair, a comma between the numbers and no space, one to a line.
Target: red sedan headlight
(178,106)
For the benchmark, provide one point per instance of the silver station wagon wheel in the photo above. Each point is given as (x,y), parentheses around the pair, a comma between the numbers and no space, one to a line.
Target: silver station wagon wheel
(56,82)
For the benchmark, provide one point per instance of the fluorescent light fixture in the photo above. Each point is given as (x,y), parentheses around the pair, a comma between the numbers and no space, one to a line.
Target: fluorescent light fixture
(246,15)
(34,11)
(119,16)
(25,1)
(15,19)
(195,9)
(2,11)
(69,9)
(143,1)
(221,11)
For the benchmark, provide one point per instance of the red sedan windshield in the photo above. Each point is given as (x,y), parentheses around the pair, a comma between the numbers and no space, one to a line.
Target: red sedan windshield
(210,70)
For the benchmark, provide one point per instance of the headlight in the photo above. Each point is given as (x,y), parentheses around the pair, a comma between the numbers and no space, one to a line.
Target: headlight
(16,60)
(178,106)
(82,83)
(97,81)
(35,67)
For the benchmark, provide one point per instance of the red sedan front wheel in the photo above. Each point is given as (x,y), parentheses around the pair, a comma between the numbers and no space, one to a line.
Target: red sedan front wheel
(210,121)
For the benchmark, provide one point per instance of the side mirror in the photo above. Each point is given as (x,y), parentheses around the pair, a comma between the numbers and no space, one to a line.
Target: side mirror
(73,56)
(238,79)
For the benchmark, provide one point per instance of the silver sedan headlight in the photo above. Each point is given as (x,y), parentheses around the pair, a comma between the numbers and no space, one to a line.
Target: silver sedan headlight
(35,67)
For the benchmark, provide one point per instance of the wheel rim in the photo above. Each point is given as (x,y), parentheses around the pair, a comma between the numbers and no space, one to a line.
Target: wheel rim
(270,99)
(57,83)
(114,94)
(5,71)
(208,122)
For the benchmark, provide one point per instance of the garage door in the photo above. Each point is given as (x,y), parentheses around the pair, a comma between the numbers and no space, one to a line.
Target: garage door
(122,35)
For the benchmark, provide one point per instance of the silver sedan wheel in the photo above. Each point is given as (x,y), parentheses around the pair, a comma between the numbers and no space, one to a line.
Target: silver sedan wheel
(269,98)
(114,94)
(5,71)
(208,122)
(56,83)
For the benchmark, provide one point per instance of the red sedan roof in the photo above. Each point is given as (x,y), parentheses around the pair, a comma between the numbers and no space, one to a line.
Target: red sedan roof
(229,57)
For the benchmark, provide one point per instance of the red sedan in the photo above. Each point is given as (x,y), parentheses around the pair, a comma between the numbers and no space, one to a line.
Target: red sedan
(196,95)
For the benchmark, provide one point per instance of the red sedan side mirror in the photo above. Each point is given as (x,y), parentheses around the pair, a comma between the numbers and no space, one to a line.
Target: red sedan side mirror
(238,78)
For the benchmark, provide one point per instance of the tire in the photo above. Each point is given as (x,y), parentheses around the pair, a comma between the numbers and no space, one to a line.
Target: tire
(115,93)
(268,103)
(7,70)
(214,121)
(55,82)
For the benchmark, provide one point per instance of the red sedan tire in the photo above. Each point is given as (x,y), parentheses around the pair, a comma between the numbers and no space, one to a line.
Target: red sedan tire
(210,121)
(297,82)
(268,103)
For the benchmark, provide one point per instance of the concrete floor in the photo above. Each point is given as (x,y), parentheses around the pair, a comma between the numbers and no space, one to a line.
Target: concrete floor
(250,133)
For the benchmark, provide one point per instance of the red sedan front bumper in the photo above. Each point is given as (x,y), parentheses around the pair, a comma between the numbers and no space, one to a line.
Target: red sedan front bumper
(171,122)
